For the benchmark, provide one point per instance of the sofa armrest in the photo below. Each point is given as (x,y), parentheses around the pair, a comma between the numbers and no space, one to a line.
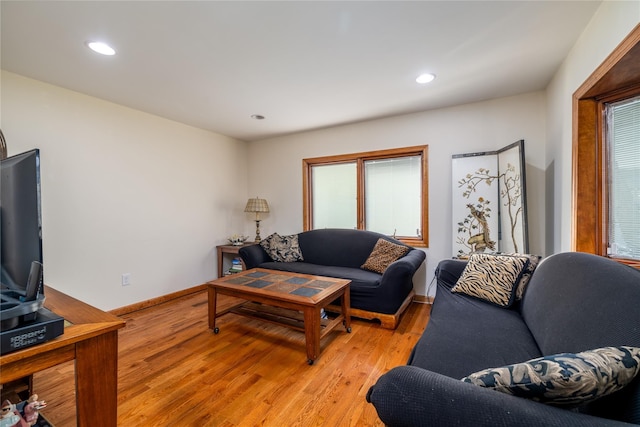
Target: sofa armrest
(396,283)
(253,255)
(403,269)
(412,396)
(449,271)
(408,264)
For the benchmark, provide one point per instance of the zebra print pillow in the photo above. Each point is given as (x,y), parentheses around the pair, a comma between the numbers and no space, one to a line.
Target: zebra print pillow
(565,378)
(492,278)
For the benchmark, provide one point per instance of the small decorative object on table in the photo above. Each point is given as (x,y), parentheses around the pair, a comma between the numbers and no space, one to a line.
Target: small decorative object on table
(30,410)
(9,416)
(23,414)
(237,239)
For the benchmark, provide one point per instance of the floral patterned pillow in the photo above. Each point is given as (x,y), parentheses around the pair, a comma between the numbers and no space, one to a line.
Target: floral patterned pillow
(534,260)
(282,248)
(565,378)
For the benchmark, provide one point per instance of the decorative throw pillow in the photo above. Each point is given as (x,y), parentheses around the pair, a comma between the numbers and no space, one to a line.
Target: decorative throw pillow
(266,242)
(566,378)
(383,254)
(282,248)
(526,274)
(492,278)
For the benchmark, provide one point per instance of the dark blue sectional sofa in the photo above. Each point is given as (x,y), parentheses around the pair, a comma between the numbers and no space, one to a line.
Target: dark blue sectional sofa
(340,253)
(574,302)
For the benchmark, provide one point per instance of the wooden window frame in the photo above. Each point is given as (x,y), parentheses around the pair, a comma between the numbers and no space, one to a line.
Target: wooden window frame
(616,78)
(360,158)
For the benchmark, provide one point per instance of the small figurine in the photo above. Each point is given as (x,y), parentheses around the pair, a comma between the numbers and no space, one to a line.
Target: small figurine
(8,416)
(7,408)
(31,409)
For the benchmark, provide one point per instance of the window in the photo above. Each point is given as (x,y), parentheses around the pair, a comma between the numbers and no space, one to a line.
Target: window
(383,191)
(622,141)
(334,190)
(595,226)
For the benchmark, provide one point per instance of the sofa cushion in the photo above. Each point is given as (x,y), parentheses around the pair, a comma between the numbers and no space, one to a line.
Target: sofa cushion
(492,278)
(383,254)
(465,334)
(565,378)
(356,275)
(282,248)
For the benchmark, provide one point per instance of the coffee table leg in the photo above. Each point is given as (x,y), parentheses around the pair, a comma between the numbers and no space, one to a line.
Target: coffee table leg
(346,309)
(213,296)
(312,333)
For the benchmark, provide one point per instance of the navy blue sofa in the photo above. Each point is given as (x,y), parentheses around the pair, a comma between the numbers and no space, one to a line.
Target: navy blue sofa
(340,253)
(573,302)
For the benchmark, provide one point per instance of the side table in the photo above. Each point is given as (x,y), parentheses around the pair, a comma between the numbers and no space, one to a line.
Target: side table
(92,340)
(229,249)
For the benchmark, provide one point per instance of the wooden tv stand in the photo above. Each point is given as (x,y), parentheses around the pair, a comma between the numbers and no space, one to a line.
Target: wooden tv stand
(92,340)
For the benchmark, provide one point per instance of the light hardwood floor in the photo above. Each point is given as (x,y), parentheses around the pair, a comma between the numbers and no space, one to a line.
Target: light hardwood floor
(174,372)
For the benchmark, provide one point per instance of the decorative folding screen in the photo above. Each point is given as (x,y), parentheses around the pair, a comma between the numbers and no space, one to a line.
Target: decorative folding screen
(489,201)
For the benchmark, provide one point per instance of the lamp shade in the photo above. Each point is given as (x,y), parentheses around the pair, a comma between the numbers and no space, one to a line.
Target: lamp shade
(257,205)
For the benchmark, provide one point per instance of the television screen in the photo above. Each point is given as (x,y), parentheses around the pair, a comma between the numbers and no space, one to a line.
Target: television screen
(20,219)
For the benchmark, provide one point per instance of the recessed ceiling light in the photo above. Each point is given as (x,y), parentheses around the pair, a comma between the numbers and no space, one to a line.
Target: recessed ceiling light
(257,117)
(425,78)
(101,48)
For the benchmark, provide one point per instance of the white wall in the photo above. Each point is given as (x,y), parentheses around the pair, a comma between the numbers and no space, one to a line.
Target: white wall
(275,165)
(124,192)
(613,21)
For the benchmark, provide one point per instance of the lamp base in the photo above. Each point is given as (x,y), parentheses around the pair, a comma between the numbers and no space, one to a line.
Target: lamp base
(258,238)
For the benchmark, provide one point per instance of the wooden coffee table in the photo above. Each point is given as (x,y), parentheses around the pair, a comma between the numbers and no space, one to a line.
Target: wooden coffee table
(280,297)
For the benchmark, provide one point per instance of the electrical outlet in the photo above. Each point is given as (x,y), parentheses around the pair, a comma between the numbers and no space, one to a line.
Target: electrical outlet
(126,279)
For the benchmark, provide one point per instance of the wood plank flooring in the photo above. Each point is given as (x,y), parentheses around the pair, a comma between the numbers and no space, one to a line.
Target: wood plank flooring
(173,371)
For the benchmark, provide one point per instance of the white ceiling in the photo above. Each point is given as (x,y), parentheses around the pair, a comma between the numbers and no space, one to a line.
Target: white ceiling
(302,64)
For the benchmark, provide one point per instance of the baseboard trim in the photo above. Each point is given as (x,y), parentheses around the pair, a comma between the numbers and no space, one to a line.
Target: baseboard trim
(423,299)
(157,301)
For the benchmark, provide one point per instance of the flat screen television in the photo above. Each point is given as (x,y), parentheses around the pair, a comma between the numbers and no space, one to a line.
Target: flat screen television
(20,223)
(24,321)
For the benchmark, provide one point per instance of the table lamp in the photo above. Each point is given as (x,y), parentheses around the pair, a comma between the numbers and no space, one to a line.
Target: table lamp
(257,205)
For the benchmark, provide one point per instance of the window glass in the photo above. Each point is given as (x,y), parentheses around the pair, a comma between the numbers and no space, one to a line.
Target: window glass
(334,189)
(393,196)
(623,152)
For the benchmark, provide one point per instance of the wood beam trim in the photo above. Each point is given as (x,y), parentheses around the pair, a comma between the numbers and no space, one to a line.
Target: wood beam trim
(619,71)
(585,174)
